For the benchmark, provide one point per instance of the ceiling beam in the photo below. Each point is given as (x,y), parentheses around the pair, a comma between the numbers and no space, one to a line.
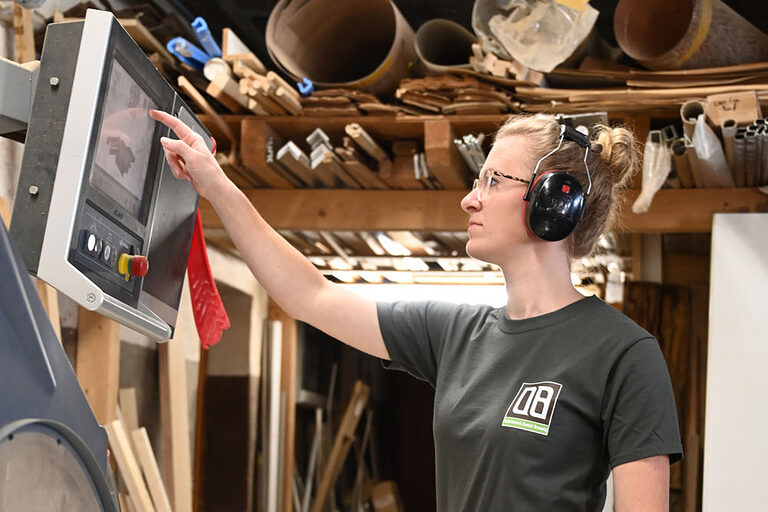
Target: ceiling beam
(672,210)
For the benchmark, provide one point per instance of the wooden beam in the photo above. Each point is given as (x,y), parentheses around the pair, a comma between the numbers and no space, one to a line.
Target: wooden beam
(24,34)
(97,363)
(174,412)
(672,210)
(341,444)
(288,386)
(443,158)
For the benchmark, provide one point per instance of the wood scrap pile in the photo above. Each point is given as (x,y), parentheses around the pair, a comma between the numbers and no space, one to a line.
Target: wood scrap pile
(449,94)
(344,102)
(141,486)
(598,85)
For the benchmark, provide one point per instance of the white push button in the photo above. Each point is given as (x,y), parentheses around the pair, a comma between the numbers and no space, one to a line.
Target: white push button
(91,242)
(107,252)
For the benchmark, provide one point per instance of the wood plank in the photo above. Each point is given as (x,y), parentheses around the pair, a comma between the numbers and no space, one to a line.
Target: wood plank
(287,386)
(672,210)
(129,408)
(97,363)
(24,34)
(149,467)
(5,212)
(254,152)
(341,444)
(443,158)
(174,414)
(129,467)
(144,38)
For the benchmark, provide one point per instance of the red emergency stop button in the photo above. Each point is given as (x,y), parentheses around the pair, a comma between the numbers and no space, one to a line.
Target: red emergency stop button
(139,266)
(128,265)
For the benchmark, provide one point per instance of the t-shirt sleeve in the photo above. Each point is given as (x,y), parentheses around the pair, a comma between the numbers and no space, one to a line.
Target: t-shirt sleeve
(413,333)
(639,414)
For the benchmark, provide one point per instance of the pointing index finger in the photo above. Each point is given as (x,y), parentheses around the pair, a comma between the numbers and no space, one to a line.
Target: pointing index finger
(181,130)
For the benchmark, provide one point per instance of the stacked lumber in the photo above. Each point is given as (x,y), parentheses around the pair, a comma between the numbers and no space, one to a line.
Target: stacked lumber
(449,94)
(135,460)
(602,86)
(344,102)
(242,83)
(359,162)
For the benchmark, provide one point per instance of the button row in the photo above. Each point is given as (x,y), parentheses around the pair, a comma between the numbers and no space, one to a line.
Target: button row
(97,248)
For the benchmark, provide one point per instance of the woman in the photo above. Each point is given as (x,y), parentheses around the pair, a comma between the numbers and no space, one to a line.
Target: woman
(536,402)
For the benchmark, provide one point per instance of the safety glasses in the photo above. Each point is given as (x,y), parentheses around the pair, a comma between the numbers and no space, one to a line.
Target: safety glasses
(488,179)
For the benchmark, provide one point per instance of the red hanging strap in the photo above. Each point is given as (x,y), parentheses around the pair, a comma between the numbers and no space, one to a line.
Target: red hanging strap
(210,316)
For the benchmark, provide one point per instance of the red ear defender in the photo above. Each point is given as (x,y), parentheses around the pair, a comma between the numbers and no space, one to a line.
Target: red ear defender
(555,200)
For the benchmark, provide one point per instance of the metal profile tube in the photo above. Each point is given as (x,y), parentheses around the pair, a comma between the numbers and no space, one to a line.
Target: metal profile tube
(761,135)
(762,179)
(750,159)
(739,158)
(728,128)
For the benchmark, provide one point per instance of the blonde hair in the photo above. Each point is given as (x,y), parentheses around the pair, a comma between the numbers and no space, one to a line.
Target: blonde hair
(613,157)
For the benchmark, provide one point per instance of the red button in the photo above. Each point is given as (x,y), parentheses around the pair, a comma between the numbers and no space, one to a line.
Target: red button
(139,266)
(566,189)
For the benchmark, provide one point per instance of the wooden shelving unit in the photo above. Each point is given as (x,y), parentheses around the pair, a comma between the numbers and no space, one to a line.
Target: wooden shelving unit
(672,210)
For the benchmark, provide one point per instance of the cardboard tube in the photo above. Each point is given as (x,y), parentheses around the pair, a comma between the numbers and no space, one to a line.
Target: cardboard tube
(689,112)
(693,161)
(443,44)
(342,43)
(739,158)
(682,165)
(684,35)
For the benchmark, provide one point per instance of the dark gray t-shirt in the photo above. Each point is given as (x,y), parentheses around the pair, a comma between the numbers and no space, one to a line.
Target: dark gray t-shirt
(532,414)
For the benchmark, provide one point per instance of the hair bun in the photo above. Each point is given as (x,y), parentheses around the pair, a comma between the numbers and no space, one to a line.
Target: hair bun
(620,151)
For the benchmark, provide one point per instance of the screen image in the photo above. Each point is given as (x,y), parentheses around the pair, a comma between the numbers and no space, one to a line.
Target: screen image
(122,154)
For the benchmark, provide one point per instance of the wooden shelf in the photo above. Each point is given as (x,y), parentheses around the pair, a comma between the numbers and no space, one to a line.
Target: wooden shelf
(672,210)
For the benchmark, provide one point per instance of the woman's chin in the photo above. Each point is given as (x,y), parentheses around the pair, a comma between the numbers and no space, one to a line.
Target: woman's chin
(475,252)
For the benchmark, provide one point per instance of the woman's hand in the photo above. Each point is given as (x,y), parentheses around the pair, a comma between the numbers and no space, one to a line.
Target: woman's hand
(189,157)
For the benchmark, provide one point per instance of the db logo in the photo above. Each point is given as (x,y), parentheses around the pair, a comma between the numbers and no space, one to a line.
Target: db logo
(533,406)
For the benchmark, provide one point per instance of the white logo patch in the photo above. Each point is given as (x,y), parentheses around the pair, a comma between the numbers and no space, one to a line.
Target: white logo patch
(533,407)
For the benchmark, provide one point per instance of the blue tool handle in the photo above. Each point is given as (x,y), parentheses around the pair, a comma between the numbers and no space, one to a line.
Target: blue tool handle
(187,52)
(206,39)
(306,87)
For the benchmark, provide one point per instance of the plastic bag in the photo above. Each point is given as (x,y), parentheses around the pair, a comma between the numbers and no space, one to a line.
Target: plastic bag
(657,162)
(712,164)
(539,34)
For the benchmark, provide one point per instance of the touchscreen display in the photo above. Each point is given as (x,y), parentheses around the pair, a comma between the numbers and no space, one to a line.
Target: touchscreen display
(124,145)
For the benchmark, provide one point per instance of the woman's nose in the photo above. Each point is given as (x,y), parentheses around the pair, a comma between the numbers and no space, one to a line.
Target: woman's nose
(471,201)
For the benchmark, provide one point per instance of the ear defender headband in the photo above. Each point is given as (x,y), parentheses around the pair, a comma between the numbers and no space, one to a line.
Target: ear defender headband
(555,200)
